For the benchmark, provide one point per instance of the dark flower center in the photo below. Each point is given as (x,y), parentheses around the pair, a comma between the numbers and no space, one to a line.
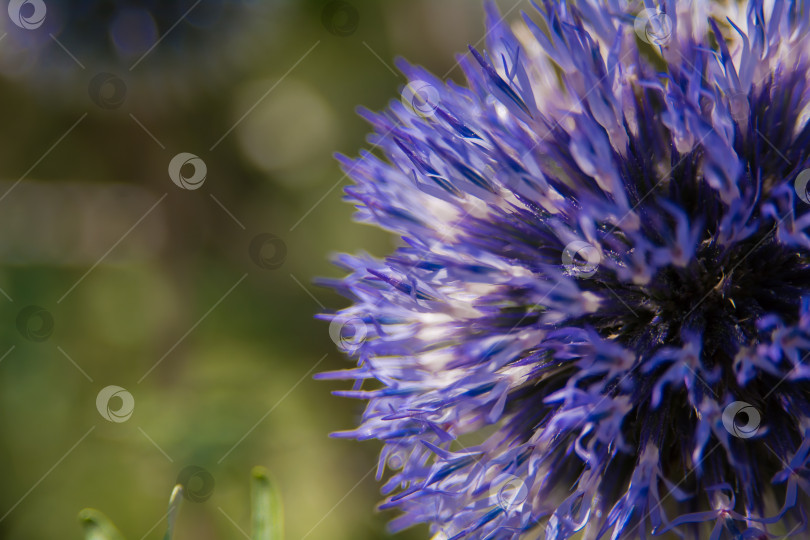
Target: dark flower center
(720,295)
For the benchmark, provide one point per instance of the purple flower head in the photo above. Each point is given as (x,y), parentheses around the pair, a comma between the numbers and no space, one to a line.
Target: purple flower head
(597,322)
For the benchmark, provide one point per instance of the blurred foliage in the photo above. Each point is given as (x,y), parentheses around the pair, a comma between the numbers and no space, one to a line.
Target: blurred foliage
(152,288)
(266,513)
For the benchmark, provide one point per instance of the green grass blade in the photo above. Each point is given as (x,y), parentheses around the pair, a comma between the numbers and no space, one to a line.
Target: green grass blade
(97,526)
(174,506)
(267,513)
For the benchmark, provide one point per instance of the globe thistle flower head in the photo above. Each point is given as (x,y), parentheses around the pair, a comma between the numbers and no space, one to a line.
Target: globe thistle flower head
(597,320)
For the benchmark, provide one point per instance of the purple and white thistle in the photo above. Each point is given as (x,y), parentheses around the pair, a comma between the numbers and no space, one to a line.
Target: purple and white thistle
(597,321)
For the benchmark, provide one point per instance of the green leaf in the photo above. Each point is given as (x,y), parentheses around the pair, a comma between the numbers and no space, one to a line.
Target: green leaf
(97,526)
(174,506)
(267,513)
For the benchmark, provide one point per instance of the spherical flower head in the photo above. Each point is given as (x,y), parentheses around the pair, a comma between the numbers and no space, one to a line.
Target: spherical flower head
(597,321)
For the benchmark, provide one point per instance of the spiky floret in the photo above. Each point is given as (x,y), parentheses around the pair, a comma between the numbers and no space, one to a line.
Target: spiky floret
(519,389)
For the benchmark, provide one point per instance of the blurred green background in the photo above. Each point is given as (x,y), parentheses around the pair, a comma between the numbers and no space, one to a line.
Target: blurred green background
(152,288)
